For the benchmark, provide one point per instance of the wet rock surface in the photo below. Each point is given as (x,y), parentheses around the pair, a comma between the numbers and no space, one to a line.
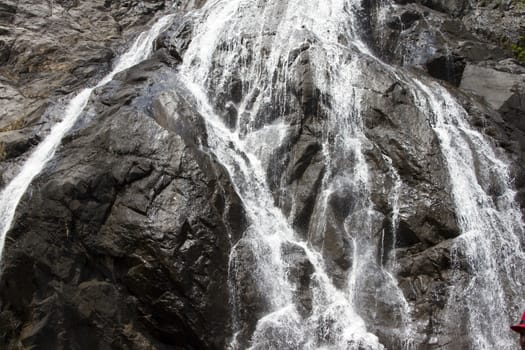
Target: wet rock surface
(467,44)
(125,239)
(51,49)
(134,225)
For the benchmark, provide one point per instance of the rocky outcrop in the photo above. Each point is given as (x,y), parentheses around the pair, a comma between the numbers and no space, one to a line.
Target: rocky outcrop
(51,49)
(125,237)
(134,236)
(502,91)
(440,37)
(466,44)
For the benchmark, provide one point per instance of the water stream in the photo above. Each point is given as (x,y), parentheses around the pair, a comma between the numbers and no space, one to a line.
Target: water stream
(490,222)
(256,43)
(254,39)
(13,192)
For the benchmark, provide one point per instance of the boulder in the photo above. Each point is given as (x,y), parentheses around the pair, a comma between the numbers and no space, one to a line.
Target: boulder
(130,243)
(501,90)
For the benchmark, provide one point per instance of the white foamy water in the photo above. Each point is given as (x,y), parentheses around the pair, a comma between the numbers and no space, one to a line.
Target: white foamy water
(258,42)
(254,39)
(490,221)
(13,192)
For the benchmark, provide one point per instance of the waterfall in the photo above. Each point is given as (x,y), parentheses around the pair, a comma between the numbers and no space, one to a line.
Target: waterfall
(242,67)
(490,223)
(255,40)
(275,28)
(13,192)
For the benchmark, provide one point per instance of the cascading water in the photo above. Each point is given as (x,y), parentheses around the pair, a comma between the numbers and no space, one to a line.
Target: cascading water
(256,44)
(490,221)
(255,40)
(220,46)
(332,318)
(13,192)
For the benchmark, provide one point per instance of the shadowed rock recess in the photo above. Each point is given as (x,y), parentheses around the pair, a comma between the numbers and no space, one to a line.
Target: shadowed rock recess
(276,175)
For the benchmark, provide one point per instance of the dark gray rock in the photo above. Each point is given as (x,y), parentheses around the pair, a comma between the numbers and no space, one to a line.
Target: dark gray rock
(249,303)
(125,237)
(442,36)
(14,143)
(133,237)
(448,68)
(53,48)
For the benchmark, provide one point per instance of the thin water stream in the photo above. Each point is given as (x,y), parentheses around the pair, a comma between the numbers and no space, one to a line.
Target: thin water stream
(490,222)
(13,192)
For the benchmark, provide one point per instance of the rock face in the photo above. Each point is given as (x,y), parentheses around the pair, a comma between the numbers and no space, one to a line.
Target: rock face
(137,234)
(50,49)
(467,44)
(140,231)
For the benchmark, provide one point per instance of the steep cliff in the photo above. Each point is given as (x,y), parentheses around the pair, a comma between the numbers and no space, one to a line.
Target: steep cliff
(275,175)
